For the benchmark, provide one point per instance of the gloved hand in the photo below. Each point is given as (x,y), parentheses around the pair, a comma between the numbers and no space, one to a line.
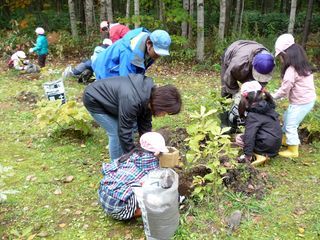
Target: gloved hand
(243,158)
(31,50)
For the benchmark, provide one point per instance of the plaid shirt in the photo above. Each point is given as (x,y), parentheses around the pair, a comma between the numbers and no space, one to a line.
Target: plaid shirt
(121,174)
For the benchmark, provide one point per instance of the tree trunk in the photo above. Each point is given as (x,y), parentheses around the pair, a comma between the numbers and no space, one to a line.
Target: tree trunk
(237,16)
(200,30)
(128,12)
(109,11)
(73,19)
(222,19)
(162,8)
(307,24)
(241,17)
(292,16)
(184,24)
(136,13)
(89,16)
(191,10)
(103,13)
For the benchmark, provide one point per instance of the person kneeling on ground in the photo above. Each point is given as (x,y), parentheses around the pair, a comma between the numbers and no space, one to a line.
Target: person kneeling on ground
(18,61)
(115,193)
(262,136)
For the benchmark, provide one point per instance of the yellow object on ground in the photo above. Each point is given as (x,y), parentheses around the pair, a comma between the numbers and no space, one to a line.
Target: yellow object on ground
(291,152)
(260,159)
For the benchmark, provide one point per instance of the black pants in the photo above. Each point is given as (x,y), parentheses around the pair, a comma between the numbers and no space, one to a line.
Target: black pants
(42,60)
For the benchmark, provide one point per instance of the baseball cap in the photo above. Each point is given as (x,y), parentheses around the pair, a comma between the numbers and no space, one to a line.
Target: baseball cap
(283,42)
(263,64)
(153,142)
(39,30)
(161,42)
(107,41)
(252,86)
(21,54)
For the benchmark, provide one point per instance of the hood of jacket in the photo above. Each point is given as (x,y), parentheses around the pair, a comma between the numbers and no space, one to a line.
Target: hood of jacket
(264,107)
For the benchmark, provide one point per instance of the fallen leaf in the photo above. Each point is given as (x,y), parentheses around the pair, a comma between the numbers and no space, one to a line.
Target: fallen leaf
(31,237)
(68,179)
(57,191)
(78,212)
(83,145)
(42,234)
(31,178)
(62,225)
(301,230)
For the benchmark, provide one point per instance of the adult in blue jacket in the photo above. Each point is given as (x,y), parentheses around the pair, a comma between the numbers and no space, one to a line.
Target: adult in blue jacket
(41,47)
(134,53)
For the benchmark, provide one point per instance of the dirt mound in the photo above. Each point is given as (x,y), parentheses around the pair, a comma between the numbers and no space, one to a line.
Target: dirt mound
(307,137)
(28,98)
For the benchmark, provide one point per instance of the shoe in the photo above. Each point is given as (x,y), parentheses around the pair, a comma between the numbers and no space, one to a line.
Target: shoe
(284,140)
(291,152)
(67,72)
(259,160)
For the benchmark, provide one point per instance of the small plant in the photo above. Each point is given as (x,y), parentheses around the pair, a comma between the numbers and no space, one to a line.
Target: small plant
(207,143)
(4,173)
(68,116)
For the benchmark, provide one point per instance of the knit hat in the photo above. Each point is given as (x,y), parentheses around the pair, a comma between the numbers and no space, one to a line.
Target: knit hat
(283,42)
(161,42)
(107,41)
(104,24)
(39,30)
(263,64)
(252,86)
(153,142)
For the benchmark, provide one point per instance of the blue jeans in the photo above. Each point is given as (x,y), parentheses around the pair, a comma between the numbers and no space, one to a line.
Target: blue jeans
(110,124)
(292,118)
(81,67)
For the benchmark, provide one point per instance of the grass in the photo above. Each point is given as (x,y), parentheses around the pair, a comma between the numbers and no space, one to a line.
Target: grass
(41,162)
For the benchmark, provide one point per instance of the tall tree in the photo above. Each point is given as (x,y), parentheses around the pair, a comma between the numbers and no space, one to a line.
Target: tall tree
(128,12)
(136,13)
(237,16)
(200,30)
(184,24)
(162,8)
(73,19)
(307,24)
(292,16)
(191,11)
(109,10)
(222,19)
(103,7)
(241,16)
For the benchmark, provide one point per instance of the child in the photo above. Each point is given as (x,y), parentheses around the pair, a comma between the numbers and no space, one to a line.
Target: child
(41,47)
(18,61)
(115,192)
(297,84)
(262,136)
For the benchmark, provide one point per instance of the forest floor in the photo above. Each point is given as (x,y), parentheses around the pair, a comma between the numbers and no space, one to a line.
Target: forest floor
(57,176)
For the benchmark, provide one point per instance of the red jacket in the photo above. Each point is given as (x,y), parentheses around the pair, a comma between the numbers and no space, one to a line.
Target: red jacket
(117,31)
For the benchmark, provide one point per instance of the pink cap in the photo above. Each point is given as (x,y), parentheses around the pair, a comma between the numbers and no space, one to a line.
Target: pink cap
(283,42)
(39,30)
(153,142)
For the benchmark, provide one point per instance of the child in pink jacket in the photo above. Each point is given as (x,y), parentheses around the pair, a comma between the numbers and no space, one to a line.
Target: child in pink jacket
(297,84)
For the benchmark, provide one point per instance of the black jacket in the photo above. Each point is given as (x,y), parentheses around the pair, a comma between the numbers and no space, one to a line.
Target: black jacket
(126,98)
(262,130)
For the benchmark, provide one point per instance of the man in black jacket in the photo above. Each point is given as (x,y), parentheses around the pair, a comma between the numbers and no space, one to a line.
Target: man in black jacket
(118,104)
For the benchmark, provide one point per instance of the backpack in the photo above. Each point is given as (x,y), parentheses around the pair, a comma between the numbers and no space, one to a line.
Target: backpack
(10,63)
(85,77)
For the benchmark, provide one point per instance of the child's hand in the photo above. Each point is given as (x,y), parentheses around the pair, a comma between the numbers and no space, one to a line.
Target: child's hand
(31,50)
(243,158)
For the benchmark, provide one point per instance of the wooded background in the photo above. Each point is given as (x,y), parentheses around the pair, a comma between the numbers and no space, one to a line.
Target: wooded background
(200,29)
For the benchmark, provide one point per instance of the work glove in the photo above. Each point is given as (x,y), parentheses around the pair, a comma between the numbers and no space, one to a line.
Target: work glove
(31,50)
(243,158)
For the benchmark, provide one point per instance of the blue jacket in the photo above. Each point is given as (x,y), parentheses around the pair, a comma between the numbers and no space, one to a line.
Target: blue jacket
(41,46)
(127,55)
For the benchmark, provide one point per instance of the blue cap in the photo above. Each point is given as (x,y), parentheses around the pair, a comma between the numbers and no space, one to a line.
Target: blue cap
(161,42)
(263,64)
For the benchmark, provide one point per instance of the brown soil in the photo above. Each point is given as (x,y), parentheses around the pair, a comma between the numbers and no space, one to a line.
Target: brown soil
(306,137)
(28,98)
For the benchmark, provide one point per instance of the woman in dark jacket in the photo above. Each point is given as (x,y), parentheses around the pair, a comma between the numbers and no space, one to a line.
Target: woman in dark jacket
(262,136)
(118,104)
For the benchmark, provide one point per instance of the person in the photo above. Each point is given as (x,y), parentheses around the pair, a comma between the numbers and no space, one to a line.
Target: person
(134,53)
(242,61)
(114,31)
(298,85)
(18,61)
(84,68)
(262,135)
(41,47)
(115,192)
(119,104)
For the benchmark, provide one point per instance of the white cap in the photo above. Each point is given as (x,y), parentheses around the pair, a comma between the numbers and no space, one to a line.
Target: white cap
(252,86)
(107,41)
(21,54)
(104,24)
(153,142)
(39,30)
(283,42)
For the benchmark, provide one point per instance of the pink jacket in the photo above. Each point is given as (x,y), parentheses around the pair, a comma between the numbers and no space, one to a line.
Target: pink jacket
(117,31)
(298,89)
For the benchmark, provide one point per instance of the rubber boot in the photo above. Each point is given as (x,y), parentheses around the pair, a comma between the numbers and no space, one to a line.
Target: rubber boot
(259,160)
(284,140)
(291,152)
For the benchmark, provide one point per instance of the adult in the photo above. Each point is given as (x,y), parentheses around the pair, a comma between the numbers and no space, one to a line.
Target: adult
(41,47)
(242,61)
(134,53)
(114,31)
(118,104)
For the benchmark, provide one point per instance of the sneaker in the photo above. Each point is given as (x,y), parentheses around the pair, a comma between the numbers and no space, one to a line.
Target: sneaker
(67,72)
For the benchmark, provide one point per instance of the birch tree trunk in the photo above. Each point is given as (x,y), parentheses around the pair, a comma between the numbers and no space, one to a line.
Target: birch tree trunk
(73,19)
(237,16)
(103,13)
(161,11)
(241,17)
(109,11)
(136,13)
(307,22)
(184,24)
(191,10)
(89,16)
(200,30)
(222,19)
(292,16)
(128,12)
